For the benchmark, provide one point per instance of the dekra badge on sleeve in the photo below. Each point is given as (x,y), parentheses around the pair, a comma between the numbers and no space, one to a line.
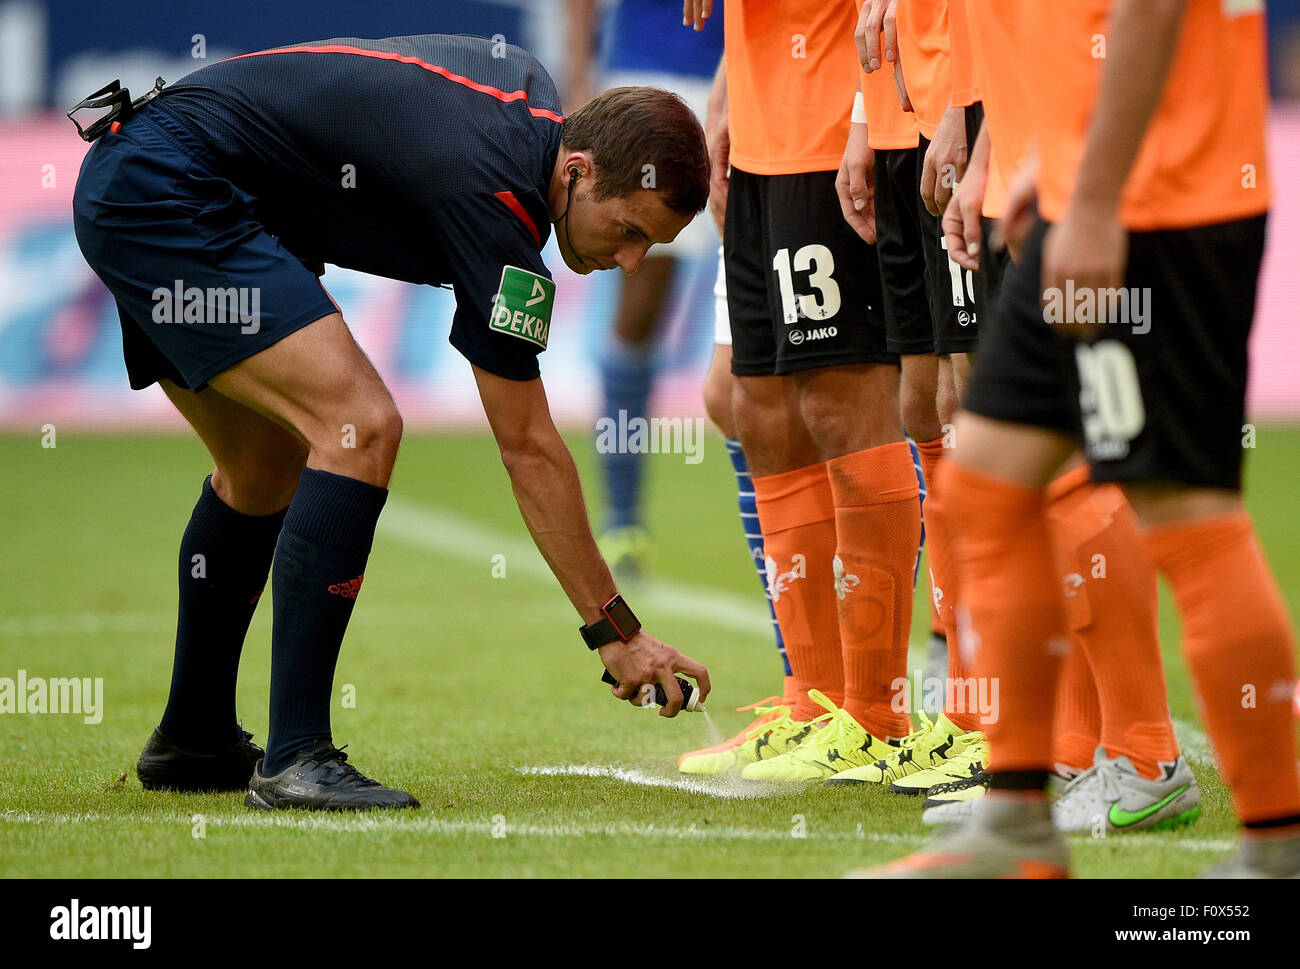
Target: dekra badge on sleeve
(522,305)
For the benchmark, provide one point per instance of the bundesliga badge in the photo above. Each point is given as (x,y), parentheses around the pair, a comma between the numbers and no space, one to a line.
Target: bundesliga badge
(522,305)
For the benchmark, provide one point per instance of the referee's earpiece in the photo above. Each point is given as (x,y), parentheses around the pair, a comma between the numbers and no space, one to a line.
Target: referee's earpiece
(575,173)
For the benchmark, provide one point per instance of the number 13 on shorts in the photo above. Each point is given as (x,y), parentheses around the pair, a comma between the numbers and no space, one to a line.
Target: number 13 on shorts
(826,302)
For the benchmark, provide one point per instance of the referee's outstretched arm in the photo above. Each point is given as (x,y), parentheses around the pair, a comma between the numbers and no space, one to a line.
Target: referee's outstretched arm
(546,485)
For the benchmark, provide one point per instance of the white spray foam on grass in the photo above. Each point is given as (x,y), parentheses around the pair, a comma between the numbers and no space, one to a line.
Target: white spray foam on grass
(727,786)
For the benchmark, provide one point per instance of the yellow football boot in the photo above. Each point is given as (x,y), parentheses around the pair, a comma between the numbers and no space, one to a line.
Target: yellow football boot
(969,756)
(920,750)
(839,745)
(772,734)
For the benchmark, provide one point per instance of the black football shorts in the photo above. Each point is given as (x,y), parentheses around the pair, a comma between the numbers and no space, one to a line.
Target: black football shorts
(1160,393)
(899,245)
(803,290)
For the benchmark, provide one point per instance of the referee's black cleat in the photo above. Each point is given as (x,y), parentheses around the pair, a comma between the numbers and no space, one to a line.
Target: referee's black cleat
(165,767)
(321,779)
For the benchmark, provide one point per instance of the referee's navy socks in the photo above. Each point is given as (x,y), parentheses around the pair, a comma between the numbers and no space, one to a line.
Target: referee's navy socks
(319,564)
(224,559)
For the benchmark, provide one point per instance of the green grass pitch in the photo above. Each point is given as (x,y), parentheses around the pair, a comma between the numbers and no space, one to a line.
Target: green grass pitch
(473,692)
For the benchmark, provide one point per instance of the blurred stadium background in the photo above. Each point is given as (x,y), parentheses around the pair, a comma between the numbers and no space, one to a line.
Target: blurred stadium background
(60,359)
(89,583)
(60,354)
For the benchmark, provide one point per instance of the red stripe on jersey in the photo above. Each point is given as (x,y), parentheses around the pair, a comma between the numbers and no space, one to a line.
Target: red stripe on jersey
(518,209)
(497,93)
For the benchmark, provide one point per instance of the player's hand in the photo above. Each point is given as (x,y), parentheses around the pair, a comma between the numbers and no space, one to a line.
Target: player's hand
(717,138)
(1022,201)
(643,660)
(877,17)
(963,219)
(900,85)
(856,184)
(945,161)
(1089,248)
(696,12)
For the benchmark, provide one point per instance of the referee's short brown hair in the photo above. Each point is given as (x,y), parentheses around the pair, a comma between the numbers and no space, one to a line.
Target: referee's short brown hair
(643,137)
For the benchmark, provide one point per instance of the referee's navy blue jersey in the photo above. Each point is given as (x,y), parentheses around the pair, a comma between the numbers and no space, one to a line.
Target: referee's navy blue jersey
(425,158)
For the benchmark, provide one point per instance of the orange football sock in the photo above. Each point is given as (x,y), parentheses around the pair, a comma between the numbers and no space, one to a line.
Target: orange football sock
(1110,609)
(1076,725)
(931,453)
(1076,729)
(1240,648)
(943,585)
(1010,616)
(789,692)
(878,524)
(797,516)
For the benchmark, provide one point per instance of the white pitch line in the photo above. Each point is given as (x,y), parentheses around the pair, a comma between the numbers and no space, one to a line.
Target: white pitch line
(406,823)
(376,615)
(84,623)
(430,529)
(1156,839)
(433,530)
(436,826)
(419,526)
(730,788)
(1192,743)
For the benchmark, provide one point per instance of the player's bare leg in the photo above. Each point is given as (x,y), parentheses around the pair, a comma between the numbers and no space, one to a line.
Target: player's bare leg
(961,365)
(318,383)
(769,425)
(718,393)
(644,294)
(792,495)
(852,412)
(918,396)
(850,408)
(1028,456)
(740,749)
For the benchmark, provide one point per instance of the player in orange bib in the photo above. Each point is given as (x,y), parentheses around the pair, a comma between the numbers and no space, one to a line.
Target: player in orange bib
(816,400)
(1112,736)
(878,187)
(1134,288)
(912,186)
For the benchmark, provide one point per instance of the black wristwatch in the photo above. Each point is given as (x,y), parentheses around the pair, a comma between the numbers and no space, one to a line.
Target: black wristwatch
(616,623)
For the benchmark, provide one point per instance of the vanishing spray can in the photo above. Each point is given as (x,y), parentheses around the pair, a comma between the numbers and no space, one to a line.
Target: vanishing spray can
(690,696)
